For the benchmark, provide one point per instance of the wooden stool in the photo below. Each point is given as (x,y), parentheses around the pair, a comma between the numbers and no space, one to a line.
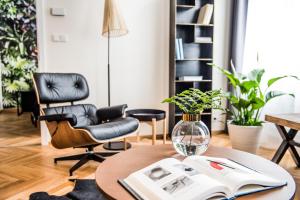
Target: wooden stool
(150,116)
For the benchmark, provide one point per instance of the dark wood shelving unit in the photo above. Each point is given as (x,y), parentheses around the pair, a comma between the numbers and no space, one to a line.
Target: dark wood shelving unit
(183,24)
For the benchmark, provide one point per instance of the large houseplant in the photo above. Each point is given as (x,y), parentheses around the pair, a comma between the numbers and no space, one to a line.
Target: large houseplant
(191,136)
(247,100)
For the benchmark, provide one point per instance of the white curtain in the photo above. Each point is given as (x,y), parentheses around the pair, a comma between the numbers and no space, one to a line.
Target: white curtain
(273,34)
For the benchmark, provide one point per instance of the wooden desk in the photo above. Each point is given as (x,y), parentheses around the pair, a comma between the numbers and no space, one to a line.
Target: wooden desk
(121,165)
(283,121)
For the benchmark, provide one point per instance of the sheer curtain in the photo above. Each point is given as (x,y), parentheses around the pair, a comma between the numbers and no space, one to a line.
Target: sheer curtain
(273,35)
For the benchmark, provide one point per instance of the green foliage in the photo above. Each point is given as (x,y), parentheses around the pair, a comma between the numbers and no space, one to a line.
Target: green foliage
(194,101)
(247,99)
(18,47)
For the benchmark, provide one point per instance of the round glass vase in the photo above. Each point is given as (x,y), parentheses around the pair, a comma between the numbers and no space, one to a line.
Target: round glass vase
(190,136)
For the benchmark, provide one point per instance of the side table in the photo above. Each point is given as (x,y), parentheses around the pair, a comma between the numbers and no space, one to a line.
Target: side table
(150,116)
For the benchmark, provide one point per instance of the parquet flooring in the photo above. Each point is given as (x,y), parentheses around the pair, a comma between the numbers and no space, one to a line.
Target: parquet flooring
(27,167)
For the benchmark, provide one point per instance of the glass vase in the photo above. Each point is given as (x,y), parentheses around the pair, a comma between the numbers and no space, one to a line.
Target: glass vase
(190,136)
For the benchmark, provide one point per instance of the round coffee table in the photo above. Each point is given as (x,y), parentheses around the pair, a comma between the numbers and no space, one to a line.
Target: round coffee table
(121,165)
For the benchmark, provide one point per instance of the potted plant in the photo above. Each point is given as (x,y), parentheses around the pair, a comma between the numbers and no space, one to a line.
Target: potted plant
(16,74)
(191,136)
(247,101)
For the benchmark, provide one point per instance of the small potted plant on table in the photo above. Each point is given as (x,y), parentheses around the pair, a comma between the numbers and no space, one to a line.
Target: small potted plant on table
(191,136)
(247,100)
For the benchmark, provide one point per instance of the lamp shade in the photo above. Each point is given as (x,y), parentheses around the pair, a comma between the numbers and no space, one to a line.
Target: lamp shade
(113,22)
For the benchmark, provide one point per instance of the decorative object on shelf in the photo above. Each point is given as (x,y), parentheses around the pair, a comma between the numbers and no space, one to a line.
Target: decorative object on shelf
(179,49)
(191,136)
(247,101)
(205,14)
(190,78)
(113,26)
(203,40)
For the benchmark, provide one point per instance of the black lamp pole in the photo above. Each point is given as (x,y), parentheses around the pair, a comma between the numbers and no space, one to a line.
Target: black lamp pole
(112,145)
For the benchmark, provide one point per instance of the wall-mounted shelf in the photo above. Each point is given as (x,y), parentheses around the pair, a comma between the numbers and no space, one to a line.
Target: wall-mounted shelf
(183,25)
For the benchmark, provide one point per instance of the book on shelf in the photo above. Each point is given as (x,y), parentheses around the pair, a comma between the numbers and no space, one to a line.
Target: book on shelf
(197,177)
(190,78)
(203,39)
(205,14)
(180,48)
(177,49)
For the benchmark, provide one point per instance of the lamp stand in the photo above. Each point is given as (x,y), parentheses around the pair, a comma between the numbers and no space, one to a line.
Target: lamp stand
(115,146)
(108,67)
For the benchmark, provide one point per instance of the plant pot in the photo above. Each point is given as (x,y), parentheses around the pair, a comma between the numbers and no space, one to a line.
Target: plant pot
(190,136)
(245,138)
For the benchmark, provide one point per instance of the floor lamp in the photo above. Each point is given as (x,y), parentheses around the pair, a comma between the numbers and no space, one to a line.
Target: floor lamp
(113,26)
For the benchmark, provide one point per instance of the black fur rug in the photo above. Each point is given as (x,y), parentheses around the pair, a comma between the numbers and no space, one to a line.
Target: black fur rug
(85,189)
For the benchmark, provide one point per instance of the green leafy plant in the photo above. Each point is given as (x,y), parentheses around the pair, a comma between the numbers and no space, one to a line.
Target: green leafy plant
(248,98)
(194,101)
(18,46)
(16,73)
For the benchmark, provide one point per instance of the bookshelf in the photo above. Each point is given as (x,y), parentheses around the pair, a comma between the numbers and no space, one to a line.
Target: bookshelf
(183,24)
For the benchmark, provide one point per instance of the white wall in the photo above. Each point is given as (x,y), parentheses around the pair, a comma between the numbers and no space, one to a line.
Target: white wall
(139,60)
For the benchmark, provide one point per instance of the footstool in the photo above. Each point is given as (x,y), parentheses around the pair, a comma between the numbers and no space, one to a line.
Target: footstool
(150,116)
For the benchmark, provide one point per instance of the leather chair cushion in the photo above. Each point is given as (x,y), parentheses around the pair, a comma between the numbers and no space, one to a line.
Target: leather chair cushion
(85,113)
(61,87)
(112,129)
(109,113)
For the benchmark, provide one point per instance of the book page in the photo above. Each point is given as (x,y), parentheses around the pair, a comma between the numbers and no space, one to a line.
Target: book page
(170,179)
(231,173)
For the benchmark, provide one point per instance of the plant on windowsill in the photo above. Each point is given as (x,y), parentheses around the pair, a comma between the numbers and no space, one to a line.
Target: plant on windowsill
(191,136)
(247,101)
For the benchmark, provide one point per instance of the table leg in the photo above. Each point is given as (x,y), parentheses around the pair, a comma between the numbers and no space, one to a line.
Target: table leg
(165,130)
(138,136)
(280,152)
(125,144)
(153,131)
(287,143)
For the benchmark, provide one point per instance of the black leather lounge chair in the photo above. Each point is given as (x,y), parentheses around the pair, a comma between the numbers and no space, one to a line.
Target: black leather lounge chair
(80,125)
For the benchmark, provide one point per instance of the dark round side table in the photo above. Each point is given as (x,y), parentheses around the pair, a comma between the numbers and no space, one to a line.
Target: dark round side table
(150,116)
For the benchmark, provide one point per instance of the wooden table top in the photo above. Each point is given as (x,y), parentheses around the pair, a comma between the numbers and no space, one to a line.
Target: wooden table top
(291,120)
(121,165)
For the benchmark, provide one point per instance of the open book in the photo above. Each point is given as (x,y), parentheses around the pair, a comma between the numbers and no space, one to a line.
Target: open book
(196,177)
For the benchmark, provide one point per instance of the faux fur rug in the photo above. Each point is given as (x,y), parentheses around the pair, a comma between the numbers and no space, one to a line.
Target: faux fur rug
(85,189)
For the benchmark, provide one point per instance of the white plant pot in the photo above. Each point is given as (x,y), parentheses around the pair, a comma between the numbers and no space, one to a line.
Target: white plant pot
(245,138)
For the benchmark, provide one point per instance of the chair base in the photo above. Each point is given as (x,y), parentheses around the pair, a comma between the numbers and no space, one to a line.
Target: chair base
(85,157)
(116,146)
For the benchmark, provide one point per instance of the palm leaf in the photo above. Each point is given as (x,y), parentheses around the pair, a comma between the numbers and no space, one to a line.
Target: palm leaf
(274,80)
(273,94)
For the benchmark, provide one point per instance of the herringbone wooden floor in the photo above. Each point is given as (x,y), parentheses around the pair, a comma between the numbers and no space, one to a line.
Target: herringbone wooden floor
(27,167)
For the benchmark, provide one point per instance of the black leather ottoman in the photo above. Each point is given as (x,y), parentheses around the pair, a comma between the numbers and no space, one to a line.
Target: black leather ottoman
(150,116)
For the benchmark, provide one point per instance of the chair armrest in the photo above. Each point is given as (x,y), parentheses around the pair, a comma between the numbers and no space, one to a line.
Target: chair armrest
(112,112)
(71,118)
